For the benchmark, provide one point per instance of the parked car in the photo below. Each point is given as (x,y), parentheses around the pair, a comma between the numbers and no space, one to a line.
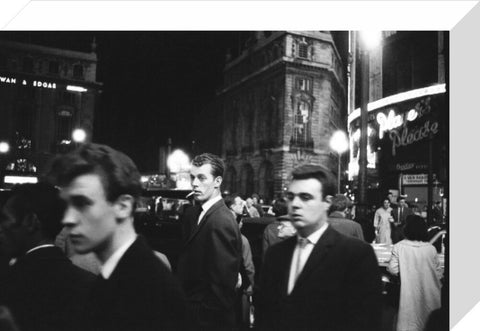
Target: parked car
(158,219)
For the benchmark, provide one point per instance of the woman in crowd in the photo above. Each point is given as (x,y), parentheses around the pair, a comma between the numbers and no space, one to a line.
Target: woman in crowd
(381,222)
(416,262)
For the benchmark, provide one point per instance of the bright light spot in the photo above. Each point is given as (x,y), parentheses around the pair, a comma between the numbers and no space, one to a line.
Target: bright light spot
(412,115)
(79,135)
(76,88)
(4,147)
(371,39)
(388,123)
(339,142)
(178,161)
(20,179)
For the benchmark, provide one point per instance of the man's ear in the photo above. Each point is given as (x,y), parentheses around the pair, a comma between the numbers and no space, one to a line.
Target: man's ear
(124,206)
(218,181)
(31,223)
(328,199)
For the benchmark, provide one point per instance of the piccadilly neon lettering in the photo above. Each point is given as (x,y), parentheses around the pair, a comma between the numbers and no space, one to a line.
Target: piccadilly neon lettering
(403,137)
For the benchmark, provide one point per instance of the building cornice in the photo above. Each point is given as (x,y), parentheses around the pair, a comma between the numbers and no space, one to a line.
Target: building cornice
(76,55)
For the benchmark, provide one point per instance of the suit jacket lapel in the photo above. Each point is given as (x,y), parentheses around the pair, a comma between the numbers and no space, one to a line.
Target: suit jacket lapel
(205,218)
(286,262)
(319,253)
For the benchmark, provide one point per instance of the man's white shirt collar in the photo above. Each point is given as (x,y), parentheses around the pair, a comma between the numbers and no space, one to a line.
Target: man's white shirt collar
(207,205)
(109,266)
(315,237)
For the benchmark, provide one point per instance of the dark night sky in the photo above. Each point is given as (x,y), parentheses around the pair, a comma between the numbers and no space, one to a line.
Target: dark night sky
(154,84)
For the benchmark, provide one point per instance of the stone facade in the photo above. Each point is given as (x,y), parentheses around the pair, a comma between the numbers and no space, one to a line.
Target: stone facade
(283,97)
(46,93)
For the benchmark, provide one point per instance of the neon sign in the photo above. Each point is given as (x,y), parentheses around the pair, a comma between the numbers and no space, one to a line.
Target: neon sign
(8,80)
(404,137)
(389,122)
(38,83)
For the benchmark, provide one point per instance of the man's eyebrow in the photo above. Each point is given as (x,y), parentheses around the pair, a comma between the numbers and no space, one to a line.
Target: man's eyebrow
(79,198)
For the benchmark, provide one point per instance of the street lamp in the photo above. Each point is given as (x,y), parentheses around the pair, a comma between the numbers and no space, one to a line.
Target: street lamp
(79,136)
(4,149)
(369,40)
(339,143)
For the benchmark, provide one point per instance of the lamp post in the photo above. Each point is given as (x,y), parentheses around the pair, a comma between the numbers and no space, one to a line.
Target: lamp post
(369,40)
(339,143)
(4,149)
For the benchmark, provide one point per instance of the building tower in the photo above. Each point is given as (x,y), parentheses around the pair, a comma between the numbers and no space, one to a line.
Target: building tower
(283,97)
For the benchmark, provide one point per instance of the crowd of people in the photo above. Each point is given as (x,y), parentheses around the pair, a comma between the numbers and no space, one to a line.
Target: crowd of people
(318,270)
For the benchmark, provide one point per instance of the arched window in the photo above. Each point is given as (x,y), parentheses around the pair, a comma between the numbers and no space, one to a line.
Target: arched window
(302,136)
(230,180)
(266,181)
(63,124)
(246,180)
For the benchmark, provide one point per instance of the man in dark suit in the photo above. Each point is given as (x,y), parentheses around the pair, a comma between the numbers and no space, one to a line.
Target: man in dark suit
(399,215)
(339,221)
(135,290)
(209,262)
(43,289)
(319,279)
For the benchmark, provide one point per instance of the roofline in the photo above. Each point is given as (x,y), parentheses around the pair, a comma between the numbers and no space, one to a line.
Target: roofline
(49,50)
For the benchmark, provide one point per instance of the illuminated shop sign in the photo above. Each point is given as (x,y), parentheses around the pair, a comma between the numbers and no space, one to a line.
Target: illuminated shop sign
(25,82)
(417,179)
(405,137)
(38,83)
(20,179)
(397,98)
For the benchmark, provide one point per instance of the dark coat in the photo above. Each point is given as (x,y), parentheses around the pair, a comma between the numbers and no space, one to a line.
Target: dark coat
(45,291)
(395,214)
(140,294)
(345,226)
(209,264)
(399,223)
(339,288)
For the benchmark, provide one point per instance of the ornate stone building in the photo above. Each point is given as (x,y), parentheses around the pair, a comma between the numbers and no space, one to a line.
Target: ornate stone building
(45,93)
(283,97)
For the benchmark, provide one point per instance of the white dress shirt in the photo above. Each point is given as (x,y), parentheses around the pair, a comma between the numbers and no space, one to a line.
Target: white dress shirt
(207,205)
(301,255)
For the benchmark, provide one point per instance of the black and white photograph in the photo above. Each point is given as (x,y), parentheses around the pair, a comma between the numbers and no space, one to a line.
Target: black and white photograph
(226,178)
(189,163)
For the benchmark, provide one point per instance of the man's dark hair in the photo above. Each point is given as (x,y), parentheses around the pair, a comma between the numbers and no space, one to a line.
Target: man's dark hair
(280,207)
(229,200)
(416,228)
(118,173)
(218,167)
(42,200)
(319,173)
(340,203)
